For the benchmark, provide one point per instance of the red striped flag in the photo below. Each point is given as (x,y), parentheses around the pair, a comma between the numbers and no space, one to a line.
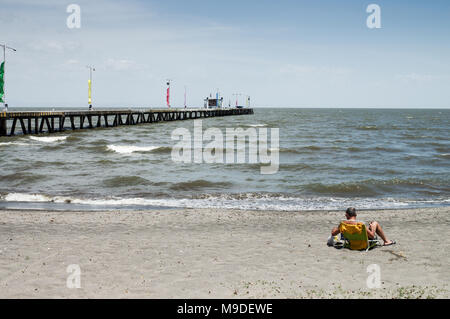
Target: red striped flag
(168,96)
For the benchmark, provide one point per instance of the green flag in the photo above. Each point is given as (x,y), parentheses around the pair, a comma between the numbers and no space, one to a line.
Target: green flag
(2,82)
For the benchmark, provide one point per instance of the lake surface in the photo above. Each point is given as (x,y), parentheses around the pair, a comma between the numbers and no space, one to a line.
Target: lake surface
(328,159)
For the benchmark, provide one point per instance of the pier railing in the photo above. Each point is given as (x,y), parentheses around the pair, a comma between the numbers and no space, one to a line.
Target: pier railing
(13,123)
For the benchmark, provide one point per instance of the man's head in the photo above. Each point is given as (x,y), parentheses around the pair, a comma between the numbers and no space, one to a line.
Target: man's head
(350,212)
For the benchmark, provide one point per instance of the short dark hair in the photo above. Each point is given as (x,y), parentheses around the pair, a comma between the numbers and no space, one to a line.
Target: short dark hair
(351,211)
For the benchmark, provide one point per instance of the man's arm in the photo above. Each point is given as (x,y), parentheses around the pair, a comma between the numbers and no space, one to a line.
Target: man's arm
(370,231)
(335,231)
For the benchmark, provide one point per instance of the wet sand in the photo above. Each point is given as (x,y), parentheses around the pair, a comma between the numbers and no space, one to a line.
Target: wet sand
(210,253)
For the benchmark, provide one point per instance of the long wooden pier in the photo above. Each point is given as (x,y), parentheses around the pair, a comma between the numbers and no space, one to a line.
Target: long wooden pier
(13,123)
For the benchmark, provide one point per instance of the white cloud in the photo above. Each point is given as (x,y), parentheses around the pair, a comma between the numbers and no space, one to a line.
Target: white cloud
(121,64)
(72,62)
(308,70)
(52,46)
(416,77)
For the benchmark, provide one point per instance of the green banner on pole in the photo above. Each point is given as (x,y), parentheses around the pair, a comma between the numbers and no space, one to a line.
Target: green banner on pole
(2,82)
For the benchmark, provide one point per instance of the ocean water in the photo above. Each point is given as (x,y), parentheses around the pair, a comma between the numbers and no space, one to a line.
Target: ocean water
(328,159)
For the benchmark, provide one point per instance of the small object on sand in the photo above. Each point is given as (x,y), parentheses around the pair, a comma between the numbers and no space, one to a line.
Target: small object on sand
(338,245)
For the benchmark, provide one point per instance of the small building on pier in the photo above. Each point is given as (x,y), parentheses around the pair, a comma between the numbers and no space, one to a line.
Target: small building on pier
(213,103)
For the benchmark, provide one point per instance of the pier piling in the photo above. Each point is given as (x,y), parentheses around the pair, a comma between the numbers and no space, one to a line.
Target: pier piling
(3,128)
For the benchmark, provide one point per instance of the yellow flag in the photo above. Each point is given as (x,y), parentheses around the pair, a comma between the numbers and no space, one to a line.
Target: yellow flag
(90,97)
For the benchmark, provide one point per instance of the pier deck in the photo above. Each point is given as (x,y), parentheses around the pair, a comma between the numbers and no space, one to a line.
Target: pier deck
(32,122)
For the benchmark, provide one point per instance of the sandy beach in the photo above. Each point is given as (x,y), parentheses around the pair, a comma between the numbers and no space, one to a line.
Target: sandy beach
(187,253)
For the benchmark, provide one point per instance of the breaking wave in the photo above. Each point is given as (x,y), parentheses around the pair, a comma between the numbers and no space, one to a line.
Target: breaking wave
(128,149)
(48,139)
(244,201)
(13,143)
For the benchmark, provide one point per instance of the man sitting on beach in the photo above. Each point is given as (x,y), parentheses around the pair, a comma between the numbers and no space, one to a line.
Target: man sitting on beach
(373,229)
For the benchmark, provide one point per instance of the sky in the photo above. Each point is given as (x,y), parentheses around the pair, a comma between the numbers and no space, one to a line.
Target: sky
(281,53)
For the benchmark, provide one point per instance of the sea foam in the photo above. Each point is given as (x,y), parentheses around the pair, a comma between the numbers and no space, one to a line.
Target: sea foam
(257,125)
(49,139)
(13,143)
(128,149)
(21,197)
(247,201)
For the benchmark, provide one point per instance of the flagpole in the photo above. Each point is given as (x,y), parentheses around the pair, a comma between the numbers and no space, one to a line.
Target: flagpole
(91,68)
(4,73)
(4,77)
